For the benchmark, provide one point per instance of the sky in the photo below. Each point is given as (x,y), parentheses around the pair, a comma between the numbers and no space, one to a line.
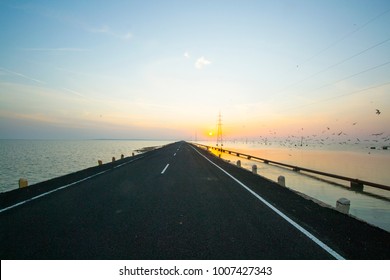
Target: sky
(166,69)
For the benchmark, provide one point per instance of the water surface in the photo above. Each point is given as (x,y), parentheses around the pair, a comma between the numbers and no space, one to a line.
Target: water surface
(40,160)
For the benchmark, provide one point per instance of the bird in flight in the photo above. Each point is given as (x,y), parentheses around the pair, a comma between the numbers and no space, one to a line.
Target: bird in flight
(378,112)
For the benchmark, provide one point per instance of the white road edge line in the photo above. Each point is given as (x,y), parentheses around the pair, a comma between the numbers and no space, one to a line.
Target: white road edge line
(165,168)
(65,186)
(281,214)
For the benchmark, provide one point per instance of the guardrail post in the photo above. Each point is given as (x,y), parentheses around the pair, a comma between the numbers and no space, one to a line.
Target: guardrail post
(282,181)
(100,162)
(357,186)
(122,156)
(113,159)
(342,205)
(254,169)
(239,163)
(23,183)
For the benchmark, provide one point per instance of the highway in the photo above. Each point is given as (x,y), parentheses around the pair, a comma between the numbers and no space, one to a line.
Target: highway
(177,202)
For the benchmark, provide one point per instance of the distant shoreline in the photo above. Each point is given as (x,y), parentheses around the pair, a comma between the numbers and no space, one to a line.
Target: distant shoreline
(87,139)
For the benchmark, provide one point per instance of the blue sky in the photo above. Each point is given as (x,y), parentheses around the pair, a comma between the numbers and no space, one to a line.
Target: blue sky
(165,69)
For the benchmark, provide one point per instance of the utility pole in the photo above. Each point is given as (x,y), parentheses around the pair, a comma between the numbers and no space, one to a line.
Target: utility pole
(219,131)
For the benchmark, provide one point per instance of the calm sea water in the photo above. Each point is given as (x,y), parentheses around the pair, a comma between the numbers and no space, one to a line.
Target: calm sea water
(352,161)
(40,160)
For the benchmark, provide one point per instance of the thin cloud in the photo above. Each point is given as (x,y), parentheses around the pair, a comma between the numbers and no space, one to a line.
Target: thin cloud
(186,55)
(73,21)
(127,36)
(201,62)
(74,92)
(55,49)
(37,117)
(93,75)
(22,75)
(102,29)
(105,29)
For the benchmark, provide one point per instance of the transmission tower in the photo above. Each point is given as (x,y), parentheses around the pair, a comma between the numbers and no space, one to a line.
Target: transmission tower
(219,131)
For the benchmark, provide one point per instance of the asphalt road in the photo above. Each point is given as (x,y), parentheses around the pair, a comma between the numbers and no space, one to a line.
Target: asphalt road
(173,203)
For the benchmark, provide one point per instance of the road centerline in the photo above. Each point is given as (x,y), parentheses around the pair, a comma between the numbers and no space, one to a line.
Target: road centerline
(165,168)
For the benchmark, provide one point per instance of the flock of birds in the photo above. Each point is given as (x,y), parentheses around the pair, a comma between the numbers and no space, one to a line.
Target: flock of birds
(327,137)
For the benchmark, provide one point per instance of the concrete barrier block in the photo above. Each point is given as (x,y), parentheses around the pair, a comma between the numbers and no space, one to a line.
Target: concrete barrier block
(343,204)
(254,169)
(23,183)
(282,181)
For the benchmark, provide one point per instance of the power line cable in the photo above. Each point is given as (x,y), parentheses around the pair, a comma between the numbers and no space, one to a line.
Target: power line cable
(336,64)
(347,35)
(353,75)
(330,46)
(339,96)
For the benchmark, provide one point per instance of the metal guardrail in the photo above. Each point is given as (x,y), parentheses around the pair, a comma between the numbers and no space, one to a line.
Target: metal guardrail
(355,184)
